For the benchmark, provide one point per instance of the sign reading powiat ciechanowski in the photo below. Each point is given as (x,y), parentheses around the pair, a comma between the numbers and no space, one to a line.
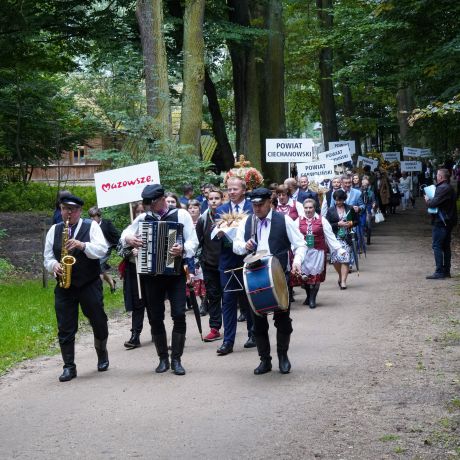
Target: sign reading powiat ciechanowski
(288,150)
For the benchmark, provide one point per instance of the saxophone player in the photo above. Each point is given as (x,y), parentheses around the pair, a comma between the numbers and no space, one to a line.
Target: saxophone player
(79,284)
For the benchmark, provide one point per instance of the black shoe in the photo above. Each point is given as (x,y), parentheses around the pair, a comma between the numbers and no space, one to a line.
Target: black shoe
(177,348)
(313,293)
(177,368)
(161,345)
(250,343)
(447,275)
(284,364)
(68,374)
(264,366)
(225,349)
(102,354)
(133,342)
(436,276)
(242,317)
(163,366)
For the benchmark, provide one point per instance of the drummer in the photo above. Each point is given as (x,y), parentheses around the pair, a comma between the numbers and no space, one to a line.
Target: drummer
(271,231)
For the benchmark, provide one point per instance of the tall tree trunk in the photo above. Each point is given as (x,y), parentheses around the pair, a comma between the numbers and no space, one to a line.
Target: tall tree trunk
(245,86)
(349,111)
(149,15)
(271,88)
(406,103)
(193,75)
(326,88)
(225,159)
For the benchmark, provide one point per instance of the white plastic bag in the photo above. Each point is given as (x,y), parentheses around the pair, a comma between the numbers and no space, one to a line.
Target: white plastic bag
(379,217)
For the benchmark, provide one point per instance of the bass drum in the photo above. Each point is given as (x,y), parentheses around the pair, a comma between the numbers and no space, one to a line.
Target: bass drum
(265,285)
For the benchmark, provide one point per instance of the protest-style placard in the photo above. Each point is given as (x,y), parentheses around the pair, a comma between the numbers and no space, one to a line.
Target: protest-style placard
(411,152)
(391,156)
(367,161)
(411,166)
(124,185)
(351,145)
(317,170)
(288,150)
(338,155)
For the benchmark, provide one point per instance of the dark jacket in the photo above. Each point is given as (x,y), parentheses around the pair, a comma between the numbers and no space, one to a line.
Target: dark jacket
(445,200)
(111,234)
(333,217)
(210,249)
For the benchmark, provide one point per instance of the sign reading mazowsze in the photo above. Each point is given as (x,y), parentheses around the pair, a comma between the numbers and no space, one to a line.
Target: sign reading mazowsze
(288,150)
(124,185)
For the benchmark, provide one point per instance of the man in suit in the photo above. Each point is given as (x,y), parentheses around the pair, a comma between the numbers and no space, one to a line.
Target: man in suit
(232,282)
(296,193)
(303,186)
(443,222)
(276,233)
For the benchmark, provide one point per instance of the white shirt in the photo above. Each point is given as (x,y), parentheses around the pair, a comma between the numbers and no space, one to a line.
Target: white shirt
(263,232)
(298,206)
(240,206)
(329,236)
(183,217)
(96,248)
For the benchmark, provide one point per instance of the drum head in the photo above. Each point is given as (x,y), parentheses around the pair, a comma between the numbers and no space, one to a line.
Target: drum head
(279,284)
(251,258)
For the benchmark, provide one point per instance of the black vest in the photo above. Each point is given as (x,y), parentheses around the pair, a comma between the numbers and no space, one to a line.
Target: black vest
(85,269)
(278,240)
(171,216)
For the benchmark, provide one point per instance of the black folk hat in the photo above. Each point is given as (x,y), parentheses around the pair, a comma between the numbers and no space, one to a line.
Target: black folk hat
(260,194)
(152,192)
(72,200)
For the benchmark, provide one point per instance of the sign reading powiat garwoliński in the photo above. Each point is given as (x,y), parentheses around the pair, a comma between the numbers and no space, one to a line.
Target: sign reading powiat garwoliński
(288,150)
(317,170)
(338,155)
(124,185)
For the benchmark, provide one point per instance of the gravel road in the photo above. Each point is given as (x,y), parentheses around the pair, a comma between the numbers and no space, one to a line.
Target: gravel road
(375,376)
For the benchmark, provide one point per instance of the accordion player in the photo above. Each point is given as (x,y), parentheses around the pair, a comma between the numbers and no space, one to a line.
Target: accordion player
(154,257)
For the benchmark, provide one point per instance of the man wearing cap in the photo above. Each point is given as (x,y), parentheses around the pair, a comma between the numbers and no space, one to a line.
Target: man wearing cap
(272,231)
(156,287)
(87,244)
(232,281)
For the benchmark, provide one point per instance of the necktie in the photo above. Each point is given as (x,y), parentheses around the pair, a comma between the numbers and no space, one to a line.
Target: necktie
(262,223)
(73,228)
(237,209)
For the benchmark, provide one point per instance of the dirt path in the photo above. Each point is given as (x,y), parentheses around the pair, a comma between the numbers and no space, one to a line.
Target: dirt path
(375,376)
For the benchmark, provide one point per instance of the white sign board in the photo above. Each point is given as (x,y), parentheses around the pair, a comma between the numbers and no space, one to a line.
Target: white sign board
(124,185)
(288,150)
(368,161)
(351,145)
(409,166)
(411,152)
(391,156)
(425,153)
(317,171)
(338,155)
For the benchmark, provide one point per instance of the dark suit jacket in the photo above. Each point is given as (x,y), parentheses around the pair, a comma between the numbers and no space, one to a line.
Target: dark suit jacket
(445,200)
(111,234)
(333,217)
(228,259)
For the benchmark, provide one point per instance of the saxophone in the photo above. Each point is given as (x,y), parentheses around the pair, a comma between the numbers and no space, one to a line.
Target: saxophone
(66,260)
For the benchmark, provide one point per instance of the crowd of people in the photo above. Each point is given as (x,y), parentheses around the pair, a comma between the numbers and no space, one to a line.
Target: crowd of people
(305,229)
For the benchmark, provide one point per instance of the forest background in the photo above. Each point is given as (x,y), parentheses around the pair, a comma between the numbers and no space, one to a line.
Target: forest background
(383,73)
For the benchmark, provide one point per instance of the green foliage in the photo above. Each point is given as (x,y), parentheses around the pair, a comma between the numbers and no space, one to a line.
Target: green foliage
(28,322)
(39,197)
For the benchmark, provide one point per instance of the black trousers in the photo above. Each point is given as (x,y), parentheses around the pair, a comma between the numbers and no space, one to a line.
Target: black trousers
(211,278)
(90,299)
(283,323)
(155,289)
(132,300)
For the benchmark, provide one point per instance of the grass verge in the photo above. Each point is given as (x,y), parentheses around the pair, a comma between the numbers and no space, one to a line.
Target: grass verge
(28,322)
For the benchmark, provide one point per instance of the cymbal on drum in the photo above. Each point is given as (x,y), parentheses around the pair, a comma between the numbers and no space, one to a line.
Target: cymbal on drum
(254,257)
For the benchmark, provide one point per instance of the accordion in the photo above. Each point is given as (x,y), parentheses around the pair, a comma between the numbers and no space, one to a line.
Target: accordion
(154,257)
